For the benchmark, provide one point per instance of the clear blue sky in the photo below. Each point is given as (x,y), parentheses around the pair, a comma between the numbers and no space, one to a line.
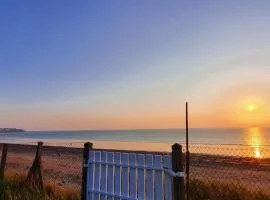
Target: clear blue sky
(123,64)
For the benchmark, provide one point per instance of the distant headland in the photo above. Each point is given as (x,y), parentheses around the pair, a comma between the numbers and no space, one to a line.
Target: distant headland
(11,130)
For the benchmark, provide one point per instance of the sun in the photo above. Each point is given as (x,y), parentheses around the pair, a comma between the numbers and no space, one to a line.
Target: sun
(250,111)
(251,108)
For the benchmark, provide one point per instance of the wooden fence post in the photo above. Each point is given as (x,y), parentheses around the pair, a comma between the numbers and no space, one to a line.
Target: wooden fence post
(34,176)
(87,148)
(178,166)
(3,161)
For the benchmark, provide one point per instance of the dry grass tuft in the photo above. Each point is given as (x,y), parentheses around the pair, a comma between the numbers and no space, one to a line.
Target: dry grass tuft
(200,190)
(14,188)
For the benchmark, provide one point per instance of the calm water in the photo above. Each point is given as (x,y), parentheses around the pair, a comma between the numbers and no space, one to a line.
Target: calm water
(201,136)
(255,138)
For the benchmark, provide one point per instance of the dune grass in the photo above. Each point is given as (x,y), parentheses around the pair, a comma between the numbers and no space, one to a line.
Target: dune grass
(13,188)
(11,191)
(200,190)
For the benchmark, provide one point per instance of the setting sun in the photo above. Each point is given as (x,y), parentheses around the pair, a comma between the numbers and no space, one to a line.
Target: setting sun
(251,108)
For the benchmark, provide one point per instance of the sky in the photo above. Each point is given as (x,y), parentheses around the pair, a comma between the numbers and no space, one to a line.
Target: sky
(133,64)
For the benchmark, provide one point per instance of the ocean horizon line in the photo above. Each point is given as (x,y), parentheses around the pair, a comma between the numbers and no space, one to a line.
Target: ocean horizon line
(147,129)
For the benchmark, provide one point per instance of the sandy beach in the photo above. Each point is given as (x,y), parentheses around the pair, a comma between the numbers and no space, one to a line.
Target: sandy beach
(62,166)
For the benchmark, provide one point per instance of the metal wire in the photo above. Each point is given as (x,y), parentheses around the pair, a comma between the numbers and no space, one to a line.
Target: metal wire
(229,172)
(217,172)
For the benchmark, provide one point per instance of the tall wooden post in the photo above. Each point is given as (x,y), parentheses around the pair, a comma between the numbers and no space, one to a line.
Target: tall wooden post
(187,154)
(178,166)
(34,176)
(87,148)
(3,161)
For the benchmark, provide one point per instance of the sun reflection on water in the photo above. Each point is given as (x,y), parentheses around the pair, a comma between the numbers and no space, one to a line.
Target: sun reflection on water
(258,153)
(254,138)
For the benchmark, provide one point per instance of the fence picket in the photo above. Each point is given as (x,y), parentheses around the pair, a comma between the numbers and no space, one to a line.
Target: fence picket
(110,174)
(149,177)
(103,183)
(158,177)
(167,164)
(141,182)
(117,180)
(132,176)
(125,178)
(97,176)
(90,181)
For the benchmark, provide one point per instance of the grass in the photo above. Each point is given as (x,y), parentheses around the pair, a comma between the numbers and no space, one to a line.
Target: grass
(200,190)
(14,189)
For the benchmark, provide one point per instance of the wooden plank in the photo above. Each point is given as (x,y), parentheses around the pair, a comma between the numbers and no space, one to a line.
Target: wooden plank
(97,175)
(141,180)
(132,176)
(103,182)
(90,174)
(110,158)
(149,177)
(158,177)
(125,175)
(167,164)
(117,176)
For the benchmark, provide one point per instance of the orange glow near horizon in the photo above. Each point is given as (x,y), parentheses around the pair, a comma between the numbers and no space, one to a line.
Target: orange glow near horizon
(250,111)
(224,112)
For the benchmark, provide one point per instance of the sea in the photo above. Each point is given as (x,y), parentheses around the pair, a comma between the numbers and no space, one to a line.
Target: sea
(258,139)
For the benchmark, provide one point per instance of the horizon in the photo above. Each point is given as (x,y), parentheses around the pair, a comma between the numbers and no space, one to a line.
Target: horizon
(147,129)
(133,65)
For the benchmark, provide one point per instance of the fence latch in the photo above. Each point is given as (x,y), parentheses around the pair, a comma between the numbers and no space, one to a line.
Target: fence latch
(174,174)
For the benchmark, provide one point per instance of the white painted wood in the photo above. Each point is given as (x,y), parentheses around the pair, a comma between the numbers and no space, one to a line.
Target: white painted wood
(110,159)
(103,180)
(125,175)
(90,178)
(97,175)
(158,177)
(149,178)
(141,179)
(117,180)
(132,176)
(167,163)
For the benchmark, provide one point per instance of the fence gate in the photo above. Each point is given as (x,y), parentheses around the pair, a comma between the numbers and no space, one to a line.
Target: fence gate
(109,175)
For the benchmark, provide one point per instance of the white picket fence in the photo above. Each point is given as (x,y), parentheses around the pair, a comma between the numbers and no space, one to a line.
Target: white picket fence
(129,176)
